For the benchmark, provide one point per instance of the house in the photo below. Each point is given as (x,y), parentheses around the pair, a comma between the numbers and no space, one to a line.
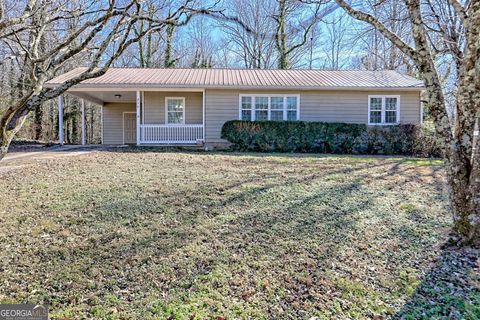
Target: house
(190,106)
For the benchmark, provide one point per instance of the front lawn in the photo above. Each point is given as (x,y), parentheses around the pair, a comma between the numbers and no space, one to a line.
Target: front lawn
(156,235)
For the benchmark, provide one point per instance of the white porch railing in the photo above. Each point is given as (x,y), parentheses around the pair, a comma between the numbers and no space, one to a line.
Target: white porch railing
(168,134)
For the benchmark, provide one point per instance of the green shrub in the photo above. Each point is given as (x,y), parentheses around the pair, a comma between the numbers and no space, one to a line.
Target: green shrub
(326,137)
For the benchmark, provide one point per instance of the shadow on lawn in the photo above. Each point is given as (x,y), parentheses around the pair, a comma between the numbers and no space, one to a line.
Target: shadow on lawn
(148,242)
(236,153)
(450,290)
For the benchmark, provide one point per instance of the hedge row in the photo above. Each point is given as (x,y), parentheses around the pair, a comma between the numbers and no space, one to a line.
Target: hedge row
(326,137)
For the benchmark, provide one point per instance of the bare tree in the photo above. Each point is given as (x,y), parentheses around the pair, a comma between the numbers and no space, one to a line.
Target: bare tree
(169,58)
(381,54)
(255,49)
(146,50)
(24,33)
(462,150)
(100,35)
(199,43)
(335,43)
(292,28)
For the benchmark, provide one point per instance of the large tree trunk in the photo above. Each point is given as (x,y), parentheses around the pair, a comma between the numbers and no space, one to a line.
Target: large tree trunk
(5,141)
(457,168)
(10,123)
(465,205)
(463,164)
(463,180)
(457,140)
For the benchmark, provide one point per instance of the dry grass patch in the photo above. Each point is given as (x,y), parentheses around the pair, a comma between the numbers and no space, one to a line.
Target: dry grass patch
(153,235)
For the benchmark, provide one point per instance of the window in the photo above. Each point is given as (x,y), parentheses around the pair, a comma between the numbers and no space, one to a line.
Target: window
(175,108)
(375,110)
(246,108)
(261,108)
(264,107)
(276,108)
(291,108)
(390,110)
(383,110)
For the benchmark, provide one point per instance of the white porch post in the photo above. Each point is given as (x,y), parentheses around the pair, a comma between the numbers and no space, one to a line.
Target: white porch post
(138,118)
(83,121)
(60,119)
(203,117)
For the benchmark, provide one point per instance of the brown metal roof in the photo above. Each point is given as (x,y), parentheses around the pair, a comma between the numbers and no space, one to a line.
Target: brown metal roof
(243,78)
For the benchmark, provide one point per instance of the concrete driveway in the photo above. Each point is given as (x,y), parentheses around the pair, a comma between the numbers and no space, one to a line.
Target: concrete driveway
(18,159)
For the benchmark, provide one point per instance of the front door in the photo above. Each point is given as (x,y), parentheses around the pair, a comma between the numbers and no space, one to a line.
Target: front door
(129,128)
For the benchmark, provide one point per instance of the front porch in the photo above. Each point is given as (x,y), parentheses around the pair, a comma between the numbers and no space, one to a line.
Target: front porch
(155,117)
(158,134)
(170,118)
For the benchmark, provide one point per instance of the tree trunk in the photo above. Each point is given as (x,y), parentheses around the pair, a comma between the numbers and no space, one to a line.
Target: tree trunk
(92,124)
(464,198)
(169,60)
(5,141)
(11,122)
(464,167)
(149,55)
(460,161)
(38,119)
(281,35)
(457,161)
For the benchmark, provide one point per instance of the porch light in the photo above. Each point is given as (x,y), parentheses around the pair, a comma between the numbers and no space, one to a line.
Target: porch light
(118,96)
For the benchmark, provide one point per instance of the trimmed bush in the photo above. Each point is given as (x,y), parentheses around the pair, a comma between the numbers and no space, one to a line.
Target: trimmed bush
(327,137)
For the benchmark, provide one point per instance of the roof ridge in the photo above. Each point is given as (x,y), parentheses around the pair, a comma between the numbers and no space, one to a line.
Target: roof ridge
(248,69)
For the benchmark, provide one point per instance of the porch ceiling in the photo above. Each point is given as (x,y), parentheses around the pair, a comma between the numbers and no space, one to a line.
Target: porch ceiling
(102,97)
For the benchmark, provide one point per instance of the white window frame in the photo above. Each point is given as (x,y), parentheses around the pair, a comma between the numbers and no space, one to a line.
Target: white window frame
(383,97)
(284,104)
(254,110)
(166,111)
(269,95)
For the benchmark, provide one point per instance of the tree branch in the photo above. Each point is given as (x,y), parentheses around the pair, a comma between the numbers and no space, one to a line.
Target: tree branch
(459,9)
(360,15)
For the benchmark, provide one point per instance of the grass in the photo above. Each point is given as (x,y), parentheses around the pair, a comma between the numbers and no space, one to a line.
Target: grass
(179,235)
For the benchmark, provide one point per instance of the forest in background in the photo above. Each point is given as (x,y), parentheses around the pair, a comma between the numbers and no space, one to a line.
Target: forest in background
(289,34)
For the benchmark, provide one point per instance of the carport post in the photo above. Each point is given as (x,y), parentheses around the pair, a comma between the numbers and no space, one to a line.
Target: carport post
(83,121)
(60,119)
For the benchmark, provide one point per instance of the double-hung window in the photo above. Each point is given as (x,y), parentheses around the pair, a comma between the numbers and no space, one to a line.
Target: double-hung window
(262,107)
(246,108)
(292,108)
(383,110)
(175,110)
(276,108)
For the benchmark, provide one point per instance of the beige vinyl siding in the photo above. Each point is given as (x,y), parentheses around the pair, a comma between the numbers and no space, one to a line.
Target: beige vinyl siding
(112,121)
(410,108)
(220,106)
(329,106)
(155,106)
(352,107)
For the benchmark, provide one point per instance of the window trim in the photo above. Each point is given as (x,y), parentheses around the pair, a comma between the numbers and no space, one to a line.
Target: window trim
(382,111)
(166,111)
(269,95)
